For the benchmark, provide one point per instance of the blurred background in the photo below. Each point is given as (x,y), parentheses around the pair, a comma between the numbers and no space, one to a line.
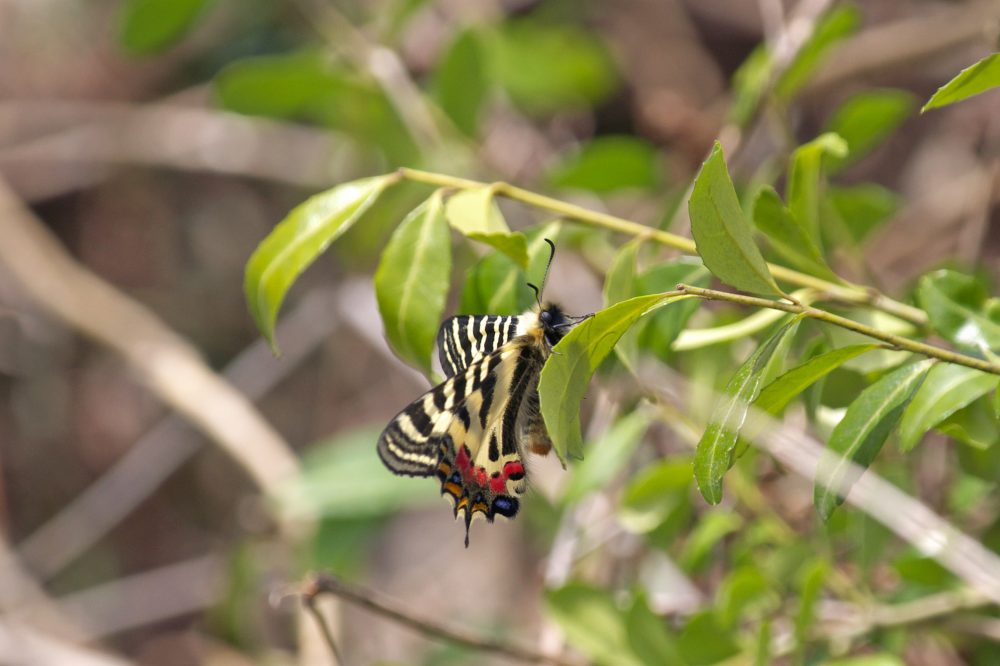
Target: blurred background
(147,146)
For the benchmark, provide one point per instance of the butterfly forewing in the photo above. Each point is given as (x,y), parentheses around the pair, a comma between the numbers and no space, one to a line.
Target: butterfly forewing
(463,339)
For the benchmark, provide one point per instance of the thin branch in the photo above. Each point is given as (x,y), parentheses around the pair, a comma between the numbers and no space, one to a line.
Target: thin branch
(309,601)
(324,583)
(895,341)
(848,294)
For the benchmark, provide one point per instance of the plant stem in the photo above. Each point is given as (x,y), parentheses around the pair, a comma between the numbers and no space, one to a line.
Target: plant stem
(895,341)
(325,583)
(840,292)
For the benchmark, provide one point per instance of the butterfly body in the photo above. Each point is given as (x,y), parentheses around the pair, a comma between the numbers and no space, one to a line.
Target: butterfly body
(472,430)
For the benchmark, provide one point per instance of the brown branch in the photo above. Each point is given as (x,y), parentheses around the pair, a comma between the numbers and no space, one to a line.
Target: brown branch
(324,583)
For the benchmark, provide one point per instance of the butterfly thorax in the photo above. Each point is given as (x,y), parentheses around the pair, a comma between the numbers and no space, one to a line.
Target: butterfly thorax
(548,325)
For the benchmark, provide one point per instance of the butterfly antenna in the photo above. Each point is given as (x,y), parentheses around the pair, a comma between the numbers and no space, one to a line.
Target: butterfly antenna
(537,297)
(552,254)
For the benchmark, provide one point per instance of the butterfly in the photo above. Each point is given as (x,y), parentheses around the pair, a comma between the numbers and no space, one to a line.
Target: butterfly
(472,430)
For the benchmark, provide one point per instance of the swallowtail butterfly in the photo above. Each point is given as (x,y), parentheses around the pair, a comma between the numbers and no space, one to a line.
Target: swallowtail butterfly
(472,430)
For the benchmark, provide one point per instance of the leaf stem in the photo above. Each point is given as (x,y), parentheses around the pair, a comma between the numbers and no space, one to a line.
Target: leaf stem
(895,341)
(840,292)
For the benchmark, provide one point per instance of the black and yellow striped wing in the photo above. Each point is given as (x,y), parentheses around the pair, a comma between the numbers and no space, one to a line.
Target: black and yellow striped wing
(463,339)
(468,431)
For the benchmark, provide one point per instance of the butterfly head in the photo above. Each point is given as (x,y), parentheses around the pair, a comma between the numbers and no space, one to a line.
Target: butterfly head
(555,323)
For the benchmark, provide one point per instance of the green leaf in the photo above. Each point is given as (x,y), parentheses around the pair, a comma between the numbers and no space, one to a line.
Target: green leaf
(475,214)
(787,236)
(547,68)
(654,493)
(775,396)
(696,338)
(463,82)
(648,635)
(743,591)
(573,361)
(812,578)
(977,428)
(713,526)
(620,284)
(806,182)
(592,622)
(837,24)
(714,454)
(609,163)
(281,86)
(973,80)
(863,207)
(411,282)
(664,326)
(955,305)
(608,455)
(496,285)
(948,389)
(343,478)
(721,232)
(861,433)
(865,119)
(151,26)
(704,642)
(749,84)
(298,240)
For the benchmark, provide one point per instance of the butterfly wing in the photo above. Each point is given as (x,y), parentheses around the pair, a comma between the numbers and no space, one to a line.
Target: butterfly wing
(466,432)
(461,340)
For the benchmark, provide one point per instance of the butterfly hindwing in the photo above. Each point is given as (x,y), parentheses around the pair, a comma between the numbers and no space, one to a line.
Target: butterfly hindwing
(463,339)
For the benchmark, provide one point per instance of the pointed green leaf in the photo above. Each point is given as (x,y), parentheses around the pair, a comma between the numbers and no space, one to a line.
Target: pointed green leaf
(806,183)
(298,240)
(787,236)
(621,284)
(411,282)
(948,389)
(648,635)
(714,454)
(573,361)
(703,642)
(592,622)
(863,207)
(834,26)
(972,80)
(462,81)
(475,214)
(775,396)
(955,305)
(861,433)
(721,232)
(654,494)
(150,26)
(865,119)
(496,285)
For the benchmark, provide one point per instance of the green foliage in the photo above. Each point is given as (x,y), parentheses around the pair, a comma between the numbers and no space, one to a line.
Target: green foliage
(721,232)
(608,455)
(608,164)
(147,27)
(568,371)
(412,281)
(775,396)
(788,237)
(550,68)
(971,81)
(806,184)
(462,84)
(298,240)
(860,435)
(717,446)
(475,214)
(866,119)
(496,285)
(593,623)
(837,24)
(957,307)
